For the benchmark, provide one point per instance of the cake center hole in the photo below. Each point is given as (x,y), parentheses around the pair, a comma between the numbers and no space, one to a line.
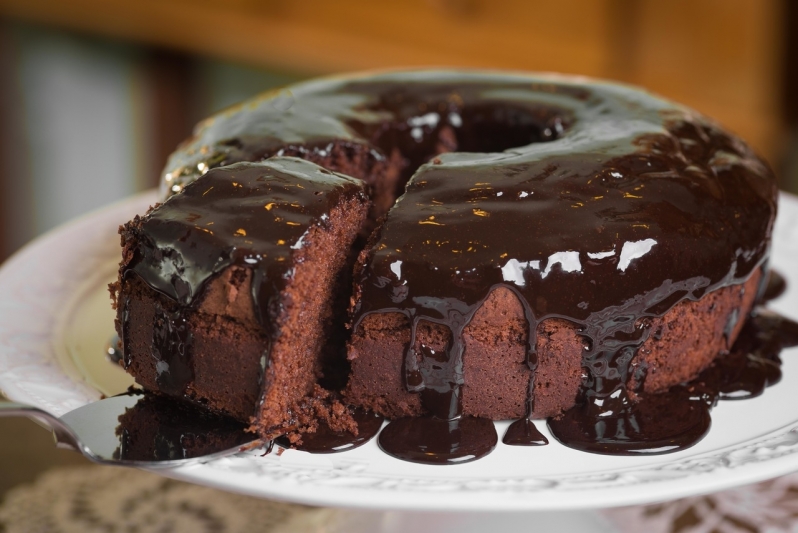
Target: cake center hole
(485,127)
(499,127)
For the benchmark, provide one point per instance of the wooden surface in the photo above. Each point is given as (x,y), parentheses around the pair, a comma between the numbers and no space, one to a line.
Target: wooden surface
(316,36)
(722,57)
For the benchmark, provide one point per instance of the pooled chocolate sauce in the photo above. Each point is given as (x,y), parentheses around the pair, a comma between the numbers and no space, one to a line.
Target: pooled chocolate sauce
(597,204)
(656,424)
(753,362)
(435,441)
(325,440)
(775,286)
(523,432)
(679,418)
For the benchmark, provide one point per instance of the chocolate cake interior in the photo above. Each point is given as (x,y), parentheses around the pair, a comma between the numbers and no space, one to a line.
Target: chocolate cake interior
(227,295)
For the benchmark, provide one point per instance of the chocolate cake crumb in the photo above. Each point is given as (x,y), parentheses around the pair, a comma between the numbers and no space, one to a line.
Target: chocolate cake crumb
(250,341)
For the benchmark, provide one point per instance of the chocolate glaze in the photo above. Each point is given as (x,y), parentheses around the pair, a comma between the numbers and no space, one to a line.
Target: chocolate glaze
(523,432)
(249,214)
(594,203)
(774,287)
(656,424)
(675,420)
(435,441)
(325,440)
(753,362)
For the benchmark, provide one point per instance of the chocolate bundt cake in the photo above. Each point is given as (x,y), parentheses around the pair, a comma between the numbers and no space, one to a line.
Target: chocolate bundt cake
(534,245)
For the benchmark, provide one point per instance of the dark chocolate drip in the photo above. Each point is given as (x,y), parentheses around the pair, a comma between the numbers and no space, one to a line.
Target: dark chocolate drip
(253,215)
(160,428)
(675,420)
(125,319)
(172,349)
(657,424)
(731,324)
(443,436)
(437,374)
(753,363)
(435,441)
(326,440)
(523,432)
(774,287)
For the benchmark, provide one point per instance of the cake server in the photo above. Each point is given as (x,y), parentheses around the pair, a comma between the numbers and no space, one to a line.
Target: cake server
(142,438)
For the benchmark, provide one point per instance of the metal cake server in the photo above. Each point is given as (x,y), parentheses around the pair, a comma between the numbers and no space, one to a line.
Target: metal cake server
(153,433)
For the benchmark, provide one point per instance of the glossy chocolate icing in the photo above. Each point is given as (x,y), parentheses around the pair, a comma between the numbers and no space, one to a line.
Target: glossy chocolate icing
(523,432)
(679,418)
(593,202)
(437,441)
(253,215)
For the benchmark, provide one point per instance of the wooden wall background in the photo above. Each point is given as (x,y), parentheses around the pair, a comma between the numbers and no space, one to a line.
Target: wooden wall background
(725,58)
(722,57)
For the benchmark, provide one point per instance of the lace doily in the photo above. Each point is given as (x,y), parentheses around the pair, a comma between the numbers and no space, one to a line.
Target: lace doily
(94,499)
(769,507)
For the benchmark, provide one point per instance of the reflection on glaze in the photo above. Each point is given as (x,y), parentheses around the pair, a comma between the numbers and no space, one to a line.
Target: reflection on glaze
(632,251)
(157,428)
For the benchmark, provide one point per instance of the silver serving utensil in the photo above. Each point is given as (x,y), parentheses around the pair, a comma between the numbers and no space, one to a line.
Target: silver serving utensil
(154,433)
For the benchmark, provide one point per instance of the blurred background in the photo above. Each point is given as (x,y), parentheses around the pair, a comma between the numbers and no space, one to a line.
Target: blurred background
(94,94)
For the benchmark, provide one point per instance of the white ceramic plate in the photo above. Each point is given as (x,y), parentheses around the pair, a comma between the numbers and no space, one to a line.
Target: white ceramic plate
(55,319)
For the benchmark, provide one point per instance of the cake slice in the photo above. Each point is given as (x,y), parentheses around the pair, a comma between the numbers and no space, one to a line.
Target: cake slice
(226,291)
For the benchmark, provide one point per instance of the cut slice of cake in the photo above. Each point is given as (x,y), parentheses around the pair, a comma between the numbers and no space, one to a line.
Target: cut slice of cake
(226,291)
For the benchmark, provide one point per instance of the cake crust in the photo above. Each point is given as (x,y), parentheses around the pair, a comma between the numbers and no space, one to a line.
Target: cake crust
(684,342)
